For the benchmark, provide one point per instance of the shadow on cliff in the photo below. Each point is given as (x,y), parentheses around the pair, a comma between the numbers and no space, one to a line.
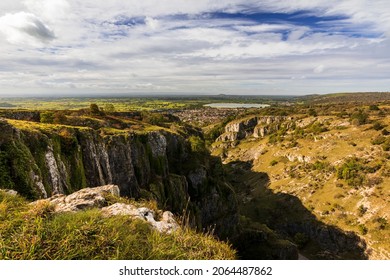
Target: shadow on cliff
(274,225)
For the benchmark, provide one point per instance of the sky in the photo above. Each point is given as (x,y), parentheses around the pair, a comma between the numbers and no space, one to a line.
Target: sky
(265,47)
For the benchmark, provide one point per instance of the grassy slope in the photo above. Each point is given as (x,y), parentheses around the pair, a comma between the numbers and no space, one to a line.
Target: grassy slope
(28,232)
(330,199)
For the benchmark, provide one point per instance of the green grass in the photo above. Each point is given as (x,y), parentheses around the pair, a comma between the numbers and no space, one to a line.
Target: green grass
(119,104)
(136,103)
(36,232)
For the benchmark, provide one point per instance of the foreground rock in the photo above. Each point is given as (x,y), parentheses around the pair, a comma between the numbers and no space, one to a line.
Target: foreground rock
(166,224)
(97,198)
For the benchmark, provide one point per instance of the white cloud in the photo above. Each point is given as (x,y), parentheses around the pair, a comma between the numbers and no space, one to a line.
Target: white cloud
(25,28)
(319,69)
(263,27)
(152,23)
(181,47)
(50,10)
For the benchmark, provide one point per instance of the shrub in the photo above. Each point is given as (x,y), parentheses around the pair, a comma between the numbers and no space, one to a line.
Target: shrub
(373,108)
(377,126)
(292,144)
(386,145)
(47,117)
(362,210)
(382,222)
(363,229)
(317,128)
(352,171)
(299,131)
(109,108)
(359,118)
(95,110)
(322,166)
(156,118)
(312,112)
(274,162)
(197,144)
(59,117)
(273,139)
(378,140)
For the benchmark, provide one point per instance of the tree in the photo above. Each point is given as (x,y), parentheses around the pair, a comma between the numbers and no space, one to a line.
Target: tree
(47,117)
(94,109)
(109,108)
(312,112)
(197,144)
(59,117)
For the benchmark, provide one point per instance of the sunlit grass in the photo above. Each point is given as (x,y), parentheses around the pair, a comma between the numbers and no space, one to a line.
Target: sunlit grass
(36,232)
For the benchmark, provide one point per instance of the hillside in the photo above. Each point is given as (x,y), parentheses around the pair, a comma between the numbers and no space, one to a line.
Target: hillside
(294,180)
(150,157)
(362,98)
(318,175)
(96,224)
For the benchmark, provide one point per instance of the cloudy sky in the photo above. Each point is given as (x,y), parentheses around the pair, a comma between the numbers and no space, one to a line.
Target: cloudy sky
(194,46)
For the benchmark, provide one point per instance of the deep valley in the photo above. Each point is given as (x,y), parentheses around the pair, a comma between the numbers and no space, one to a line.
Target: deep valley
(306,177)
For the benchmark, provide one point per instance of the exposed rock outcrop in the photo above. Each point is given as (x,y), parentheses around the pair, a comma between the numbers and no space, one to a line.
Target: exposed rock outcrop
(297,157)
(257,127)
(166,224)
(82,199)
(89,198)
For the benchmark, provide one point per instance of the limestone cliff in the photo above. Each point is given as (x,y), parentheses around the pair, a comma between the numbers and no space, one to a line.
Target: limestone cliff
(43,160)
(257,126)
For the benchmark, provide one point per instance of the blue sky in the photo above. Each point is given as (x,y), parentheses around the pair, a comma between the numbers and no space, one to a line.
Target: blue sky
(52,47)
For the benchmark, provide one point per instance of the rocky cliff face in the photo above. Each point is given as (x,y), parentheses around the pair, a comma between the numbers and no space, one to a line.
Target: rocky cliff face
(40,162)
(258,127)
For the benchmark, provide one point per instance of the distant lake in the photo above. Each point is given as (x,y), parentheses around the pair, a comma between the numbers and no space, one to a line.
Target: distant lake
(236,105)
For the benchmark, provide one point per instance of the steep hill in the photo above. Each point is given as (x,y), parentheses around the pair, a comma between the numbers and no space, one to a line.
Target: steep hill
(48,153)
(318,176)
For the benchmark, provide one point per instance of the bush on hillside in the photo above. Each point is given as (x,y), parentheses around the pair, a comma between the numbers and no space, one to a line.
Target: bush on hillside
(359,118)
(352,171)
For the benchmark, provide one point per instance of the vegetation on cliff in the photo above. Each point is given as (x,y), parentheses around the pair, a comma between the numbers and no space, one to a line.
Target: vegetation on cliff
(149,156)
(308,174)
(332,157)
